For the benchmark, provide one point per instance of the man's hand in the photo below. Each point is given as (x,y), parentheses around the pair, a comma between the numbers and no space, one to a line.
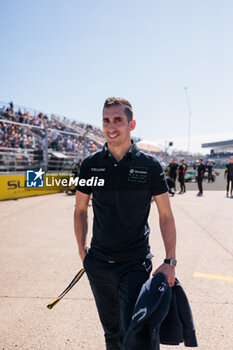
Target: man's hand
(82,254)
(168,271)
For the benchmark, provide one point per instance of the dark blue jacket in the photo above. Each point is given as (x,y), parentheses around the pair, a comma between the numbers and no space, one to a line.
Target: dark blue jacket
(178,325)
(161,315)
(150,310)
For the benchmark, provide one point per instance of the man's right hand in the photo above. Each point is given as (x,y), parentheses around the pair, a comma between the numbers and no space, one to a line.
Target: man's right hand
(168,271)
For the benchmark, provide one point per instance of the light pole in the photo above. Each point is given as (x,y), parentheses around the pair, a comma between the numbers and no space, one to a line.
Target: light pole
(46,150)
(189,119)
(170,143)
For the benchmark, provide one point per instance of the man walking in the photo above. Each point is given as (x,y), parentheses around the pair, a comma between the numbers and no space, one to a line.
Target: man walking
(229,176)
(172,171)
(181,173)
(118,262)
(200,176)
(210,168)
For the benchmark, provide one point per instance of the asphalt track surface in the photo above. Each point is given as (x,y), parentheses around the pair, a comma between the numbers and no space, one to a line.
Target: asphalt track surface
(39,258)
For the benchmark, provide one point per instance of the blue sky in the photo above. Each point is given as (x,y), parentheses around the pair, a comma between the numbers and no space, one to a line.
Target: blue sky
(67,57)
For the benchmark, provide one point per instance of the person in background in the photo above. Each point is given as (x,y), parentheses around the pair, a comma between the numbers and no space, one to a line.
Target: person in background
(229,176)
(172,171)
(181,173)
(210,168)
(200,176)
(76,168)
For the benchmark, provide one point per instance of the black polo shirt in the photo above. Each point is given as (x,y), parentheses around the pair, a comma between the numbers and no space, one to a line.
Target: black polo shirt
(182,170)
(200,170)
(121,207)
(173,169)
(229,171)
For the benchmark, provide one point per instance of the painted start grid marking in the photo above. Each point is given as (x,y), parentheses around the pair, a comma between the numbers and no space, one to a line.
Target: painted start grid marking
(213,276)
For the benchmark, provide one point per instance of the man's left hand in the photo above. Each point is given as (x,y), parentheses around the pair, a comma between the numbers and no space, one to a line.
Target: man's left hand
(168,271)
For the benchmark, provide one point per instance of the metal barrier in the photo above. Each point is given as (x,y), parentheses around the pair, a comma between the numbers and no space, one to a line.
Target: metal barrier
(17,160)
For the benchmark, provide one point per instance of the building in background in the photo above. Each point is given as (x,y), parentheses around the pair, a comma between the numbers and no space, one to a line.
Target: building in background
(220,148)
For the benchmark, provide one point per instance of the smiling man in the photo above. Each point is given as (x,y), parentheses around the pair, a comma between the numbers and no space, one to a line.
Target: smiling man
(118,262)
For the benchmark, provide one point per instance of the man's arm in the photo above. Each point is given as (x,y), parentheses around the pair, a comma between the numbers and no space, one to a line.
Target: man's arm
(168,231)
(81,222)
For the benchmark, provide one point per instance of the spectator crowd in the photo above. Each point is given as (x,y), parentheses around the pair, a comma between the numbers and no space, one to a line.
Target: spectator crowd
(60,132)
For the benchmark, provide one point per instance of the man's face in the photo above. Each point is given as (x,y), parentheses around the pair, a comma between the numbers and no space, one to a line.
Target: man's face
(231,159)
(116,126)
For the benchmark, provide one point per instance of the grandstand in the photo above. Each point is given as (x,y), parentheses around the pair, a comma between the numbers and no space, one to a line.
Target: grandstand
(220,151)
(31,139)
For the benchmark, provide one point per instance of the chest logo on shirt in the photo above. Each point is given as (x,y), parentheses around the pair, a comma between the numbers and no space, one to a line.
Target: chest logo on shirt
(98,169)
(138,174)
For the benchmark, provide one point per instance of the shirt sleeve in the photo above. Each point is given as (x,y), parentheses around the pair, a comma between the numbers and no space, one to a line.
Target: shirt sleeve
(159,183)
(84,175)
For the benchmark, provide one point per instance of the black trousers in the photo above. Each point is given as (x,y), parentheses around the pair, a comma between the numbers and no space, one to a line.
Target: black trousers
(182,184)
(174,179)
(210,177)
(199,183)
(115,287)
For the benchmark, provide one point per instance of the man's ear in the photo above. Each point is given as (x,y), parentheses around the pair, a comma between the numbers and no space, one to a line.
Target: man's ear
(132,124)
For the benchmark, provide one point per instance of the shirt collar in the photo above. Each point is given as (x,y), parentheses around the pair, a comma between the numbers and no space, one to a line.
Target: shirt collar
(130,153)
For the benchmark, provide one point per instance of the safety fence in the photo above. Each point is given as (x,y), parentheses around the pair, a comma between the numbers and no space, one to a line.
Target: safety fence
(18,160)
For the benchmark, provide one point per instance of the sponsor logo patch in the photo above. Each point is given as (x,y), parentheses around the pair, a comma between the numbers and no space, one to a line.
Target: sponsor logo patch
(138,174)
(98,169)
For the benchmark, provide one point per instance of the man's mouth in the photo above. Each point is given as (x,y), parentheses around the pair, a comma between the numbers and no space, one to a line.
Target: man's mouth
(112,137)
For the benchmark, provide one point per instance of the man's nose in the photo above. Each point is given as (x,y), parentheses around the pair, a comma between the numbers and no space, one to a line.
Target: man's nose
(111,126)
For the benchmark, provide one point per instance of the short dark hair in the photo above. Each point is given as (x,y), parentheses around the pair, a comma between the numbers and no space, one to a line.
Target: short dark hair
(119,101)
